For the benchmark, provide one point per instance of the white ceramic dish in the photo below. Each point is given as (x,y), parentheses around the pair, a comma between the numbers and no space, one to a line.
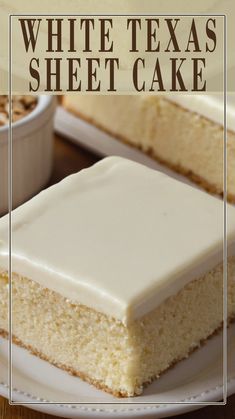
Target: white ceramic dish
(32,147)
(191,382)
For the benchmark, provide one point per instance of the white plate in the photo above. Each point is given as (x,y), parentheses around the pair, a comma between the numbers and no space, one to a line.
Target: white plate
(195,380)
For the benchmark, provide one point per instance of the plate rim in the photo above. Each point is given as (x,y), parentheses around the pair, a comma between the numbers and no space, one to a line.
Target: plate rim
(135,411)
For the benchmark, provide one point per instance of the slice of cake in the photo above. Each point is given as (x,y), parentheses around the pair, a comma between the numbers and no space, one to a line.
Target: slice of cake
(183,131)
(117,273)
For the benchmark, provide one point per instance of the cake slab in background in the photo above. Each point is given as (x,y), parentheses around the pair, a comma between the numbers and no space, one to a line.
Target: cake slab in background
(181,135)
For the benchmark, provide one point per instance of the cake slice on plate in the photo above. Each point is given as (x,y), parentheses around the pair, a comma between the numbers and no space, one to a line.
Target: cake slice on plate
(185,132)
(117,273)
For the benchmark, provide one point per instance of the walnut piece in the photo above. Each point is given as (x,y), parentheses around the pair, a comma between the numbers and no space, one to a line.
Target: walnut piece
(22,105)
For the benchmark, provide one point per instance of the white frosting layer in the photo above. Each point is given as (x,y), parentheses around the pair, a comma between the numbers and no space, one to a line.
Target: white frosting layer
(118,237)
(210,106)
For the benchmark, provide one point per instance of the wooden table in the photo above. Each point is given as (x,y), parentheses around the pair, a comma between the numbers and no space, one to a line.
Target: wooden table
(69,159)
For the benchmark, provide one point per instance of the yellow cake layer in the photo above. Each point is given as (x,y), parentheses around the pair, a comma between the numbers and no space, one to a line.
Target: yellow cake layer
(102,350)
(185,141)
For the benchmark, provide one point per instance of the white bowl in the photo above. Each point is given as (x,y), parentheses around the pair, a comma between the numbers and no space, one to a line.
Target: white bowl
(32,153)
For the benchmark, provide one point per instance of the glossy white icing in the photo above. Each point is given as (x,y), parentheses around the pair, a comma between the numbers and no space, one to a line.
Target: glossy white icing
(118,237)
(211,106)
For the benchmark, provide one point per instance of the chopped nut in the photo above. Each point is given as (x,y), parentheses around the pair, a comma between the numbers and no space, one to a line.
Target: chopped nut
(28,100)
(3,100)
(22,105)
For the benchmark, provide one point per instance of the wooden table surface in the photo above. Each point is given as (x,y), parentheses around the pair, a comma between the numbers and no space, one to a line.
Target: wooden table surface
(69,159)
